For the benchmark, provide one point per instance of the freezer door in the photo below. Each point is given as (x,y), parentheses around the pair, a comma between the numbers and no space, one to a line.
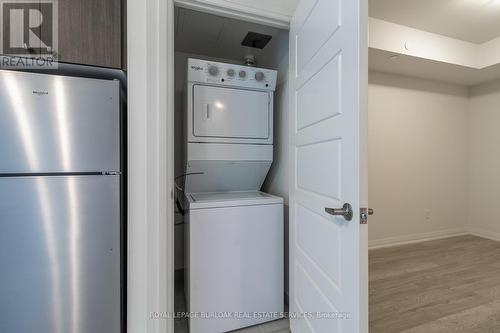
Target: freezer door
(231,113)
(54,123)
(60,254)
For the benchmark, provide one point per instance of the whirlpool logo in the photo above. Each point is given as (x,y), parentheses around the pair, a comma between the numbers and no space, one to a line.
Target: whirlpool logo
(197,68)
(40,93)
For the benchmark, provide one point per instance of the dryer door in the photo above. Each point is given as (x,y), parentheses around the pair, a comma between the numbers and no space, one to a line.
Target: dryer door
(231,114)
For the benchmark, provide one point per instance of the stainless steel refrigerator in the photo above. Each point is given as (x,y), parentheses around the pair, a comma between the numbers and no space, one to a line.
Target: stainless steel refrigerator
(61,222)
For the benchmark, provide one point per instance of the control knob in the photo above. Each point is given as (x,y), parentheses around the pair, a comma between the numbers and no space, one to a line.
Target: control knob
(213,70)
(242,74)
(230,72)
(259,76)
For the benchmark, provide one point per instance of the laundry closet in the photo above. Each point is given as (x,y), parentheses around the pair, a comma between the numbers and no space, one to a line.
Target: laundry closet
(230,170)
(269,167)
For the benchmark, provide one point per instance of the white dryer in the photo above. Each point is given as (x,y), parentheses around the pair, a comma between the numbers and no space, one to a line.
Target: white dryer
(229,126)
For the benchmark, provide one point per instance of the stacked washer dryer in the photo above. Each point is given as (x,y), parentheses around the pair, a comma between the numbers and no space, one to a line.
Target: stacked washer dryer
(234,232)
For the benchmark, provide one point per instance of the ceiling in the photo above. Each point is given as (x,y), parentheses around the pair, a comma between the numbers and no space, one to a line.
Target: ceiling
(220,37)
(475,21)
(400,64)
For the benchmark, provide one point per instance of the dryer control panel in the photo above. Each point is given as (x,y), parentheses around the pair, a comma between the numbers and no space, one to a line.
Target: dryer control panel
(203,71)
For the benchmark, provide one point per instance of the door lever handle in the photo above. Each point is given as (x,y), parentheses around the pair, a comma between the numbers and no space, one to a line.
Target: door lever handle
(345,211)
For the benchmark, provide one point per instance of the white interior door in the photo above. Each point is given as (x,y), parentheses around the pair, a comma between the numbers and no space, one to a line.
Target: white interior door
(328,82)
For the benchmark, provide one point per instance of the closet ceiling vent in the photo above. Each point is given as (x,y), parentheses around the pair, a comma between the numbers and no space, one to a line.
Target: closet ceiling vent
(256,40)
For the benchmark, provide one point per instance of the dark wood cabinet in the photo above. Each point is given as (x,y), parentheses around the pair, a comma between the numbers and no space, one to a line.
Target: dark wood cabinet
(91,32)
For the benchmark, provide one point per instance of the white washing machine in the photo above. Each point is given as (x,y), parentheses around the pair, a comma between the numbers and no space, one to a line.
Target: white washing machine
(234,260)
(234,233)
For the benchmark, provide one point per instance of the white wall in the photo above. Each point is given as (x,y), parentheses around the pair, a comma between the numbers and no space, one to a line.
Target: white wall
(271,12)
(150,148)
(400,39)
(277,179)
(282,7)
(484,158)
(417,158)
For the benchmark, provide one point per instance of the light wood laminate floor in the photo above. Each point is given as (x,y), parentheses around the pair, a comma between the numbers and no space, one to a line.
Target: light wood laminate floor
(448,285)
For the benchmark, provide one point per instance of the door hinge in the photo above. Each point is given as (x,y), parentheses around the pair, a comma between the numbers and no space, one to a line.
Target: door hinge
(364,213)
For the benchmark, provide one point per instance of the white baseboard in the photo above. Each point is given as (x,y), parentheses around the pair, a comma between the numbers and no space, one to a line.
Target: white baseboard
(484,233)
(417,238)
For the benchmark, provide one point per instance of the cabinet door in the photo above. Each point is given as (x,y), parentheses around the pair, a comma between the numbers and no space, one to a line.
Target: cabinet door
(90,32)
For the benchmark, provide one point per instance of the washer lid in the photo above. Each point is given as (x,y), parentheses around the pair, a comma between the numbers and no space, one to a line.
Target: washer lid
(231,199)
